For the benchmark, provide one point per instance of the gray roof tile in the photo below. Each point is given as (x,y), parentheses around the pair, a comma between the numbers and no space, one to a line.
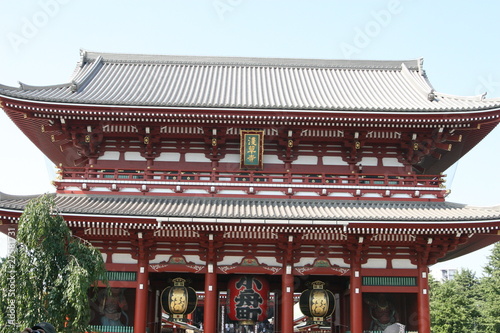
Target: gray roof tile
(277,209)
(249,83)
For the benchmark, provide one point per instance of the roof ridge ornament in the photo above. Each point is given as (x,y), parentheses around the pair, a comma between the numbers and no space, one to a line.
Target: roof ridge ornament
(83,57)
(431,96)
(420,64)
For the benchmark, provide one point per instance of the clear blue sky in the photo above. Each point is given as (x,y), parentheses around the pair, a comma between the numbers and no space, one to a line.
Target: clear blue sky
(459,41)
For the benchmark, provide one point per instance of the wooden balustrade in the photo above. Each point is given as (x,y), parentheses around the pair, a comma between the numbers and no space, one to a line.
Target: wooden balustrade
(249,181)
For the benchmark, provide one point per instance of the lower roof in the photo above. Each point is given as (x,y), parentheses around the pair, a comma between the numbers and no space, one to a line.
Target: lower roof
(480,224)
(255,209)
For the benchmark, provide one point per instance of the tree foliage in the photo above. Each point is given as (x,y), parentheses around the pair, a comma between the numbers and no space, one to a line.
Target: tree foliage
(490,289)
(466,303)
(453,305)
(49,273)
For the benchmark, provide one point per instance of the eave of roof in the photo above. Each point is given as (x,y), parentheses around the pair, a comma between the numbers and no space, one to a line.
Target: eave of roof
(263,210)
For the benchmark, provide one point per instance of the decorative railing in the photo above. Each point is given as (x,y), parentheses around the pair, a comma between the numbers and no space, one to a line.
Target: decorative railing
(399,281)
(211,182)
(110,329)
(367,331)
(121,276)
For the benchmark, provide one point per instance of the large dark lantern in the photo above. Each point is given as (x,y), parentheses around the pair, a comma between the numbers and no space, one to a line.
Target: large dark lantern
(317,302)
(178,300)
(247,299)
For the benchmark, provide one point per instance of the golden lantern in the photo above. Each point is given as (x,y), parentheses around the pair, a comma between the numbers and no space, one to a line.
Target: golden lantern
(178,300)
(317,302)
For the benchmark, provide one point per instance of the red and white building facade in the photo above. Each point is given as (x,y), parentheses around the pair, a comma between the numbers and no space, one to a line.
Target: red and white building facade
(293,170)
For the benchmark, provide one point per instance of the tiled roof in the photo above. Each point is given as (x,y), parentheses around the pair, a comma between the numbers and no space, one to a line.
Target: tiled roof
(261,209)
(249,83)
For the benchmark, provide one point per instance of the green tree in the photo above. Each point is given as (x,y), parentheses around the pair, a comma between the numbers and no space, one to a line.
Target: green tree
(49,273)
(454,304)
(490,287)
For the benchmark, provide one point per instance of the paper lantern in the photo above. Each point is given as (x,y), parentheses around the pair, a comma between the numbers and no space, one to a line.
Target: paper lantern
(317,302)
(247,299)
(178,300)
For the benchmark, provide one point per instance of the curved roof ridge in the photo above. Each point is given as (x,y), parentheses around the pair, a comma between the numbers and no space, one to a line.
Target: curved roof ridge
(24,86)
(421,86)
(468,98)
(5,196)
(88,56)
(79,82)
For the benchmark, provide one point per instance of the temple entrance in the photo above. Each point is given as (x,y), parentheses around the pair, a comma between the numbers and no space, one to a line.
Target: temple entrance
(225,312)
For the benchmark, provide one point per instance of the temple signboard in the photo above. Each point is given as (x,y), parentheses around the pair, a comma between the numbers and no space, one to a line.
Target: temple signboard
(251,149)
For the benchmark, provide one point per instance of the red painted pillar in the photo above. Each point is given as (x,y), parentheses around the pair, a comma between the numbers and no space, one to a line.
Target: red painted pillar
(287,303)
(424,317)
(356,308)
(210,304)
(141,291)
(277,310)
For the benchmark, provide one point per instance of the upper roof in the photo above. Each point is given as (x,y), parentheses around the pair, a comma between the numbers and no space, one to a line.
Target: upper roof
(249,83)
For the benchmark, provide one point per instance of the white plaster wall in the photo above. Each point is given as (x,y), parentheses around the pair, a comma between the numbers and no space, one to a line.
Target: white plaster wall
(270,193)
(269,261)
(168,157)
(307,160)
(333,160)
(307,194)
(123,258)
(338,262)
(403,263)
(229,260)
(110,156)
(160,258)
(369,161)
(391,162)
(271,159)
(233,192)
(305,261)
(375,263)
(98,189)
(196,157)
(230,158)
(194,259)
(133,156)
